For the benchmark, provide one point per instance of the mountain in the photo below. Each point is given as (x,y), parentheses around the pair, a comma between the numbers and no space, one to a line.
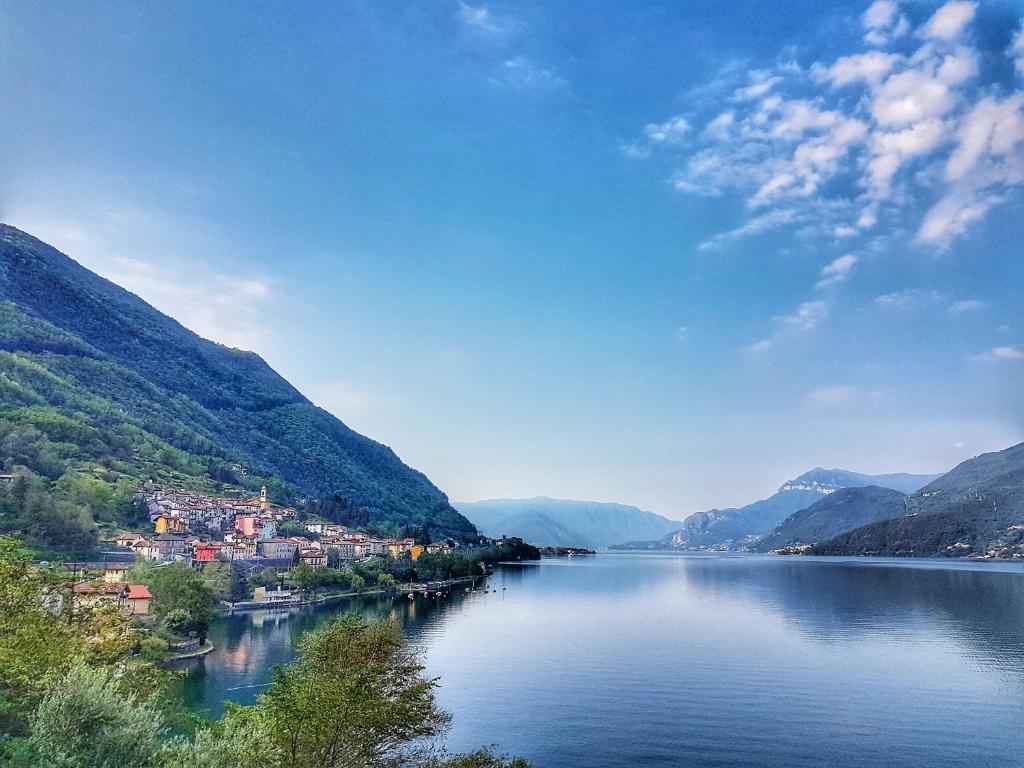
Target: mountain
(103,383)
(744,528)
(975,509)
(841,511)
(562,523)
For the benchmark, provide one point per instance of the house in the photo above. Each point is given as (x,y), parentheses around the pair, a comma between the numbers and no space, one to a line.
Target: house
(114,573)
(439,548)
(314,558)
(343,545)
(127,539)
(278,548)
(398,547)
(415,551)
(93,595)
(8,479)
(138,599)
(167,524)
(168,546)
(207,552)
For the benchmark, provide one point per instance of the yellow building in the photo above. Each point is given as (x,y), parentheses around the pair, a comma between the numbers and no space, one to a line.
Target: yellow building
(165,524)
(415,550)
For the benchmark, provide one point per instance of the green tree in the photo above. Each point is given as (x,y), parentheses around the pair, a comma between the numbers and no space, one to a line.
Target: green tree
(87,721)
(241,736)
(355,696)
(37,642)
(176,587)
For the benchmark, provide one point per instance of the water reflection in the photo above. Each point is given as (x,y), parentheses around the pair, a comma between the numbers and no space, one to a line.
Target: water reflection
(707,660)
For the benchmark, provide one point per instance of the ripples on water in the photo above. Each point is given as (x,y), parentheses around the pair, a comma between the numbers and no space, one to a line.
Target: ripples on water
(623,660)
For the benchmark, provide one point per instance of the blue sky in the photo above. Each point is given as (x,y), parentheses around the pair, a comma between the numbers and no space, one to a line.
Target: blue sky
(664,254)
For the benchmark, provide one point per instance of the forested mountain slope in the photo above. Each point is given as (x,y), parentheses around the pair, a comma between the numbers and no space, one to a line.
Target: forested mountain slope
(99,381)
(841,511)
(975,509)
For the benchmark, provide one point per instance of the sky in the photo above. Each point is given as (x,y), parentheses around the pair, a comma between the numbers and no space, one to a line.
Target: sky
(665,254)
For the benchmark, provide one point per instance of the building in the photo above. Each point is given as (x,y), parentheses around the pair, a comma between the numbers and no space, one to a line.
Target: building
(207,552)
(264,595)
(114,573)
(278,548)
(93,595)
(415,551)
(168,524)
(138,599)
(168,547)
(314,558)
(440,548)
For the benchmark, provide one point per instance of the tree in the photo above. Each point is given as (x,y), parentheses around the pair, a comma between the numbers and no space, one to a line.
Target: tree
(37,643)
(355,696)
(86,721)
(177,587)
(241,736)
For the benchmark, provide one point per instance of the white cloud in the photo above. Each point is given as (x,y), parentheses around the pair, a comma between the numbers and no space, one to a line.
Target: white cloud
(343,399)
(1016,51)
(882,14)
(524,73)
(1003,354)
(225,307)
(670,132)
(949,21)
(909,299)
(756,226)
(872,136)
(480,20)
(868,67)
(966,305)
(837,271)
(834,396)
(807,317)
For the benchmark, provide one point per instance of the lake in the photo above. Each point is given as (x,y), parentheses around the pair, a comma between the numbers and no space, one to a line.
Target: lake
(717,660)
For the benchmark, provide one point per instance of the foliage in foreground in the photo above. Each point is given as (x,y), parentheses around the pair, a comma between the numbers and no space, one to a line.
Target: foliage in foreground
(355,696)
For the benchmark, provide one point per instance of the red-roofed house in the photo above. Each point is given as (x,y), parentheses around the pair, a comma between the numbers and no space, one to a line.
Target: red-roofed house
(138,599)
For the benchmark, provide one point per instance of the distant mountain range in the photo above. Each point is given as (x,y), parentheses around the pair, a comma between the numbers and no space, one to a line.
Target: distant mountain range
(745,528)
(95,381)
(841,511)
(563,523)
(975,509)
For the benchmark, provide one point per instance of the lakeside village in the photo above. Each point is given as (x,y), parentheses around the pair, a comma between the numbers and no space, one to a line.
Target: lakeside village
(250,554)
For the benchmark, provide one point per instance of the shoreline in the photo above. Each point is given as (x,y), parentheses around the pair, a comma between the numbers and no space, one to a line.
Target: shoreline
(248,606)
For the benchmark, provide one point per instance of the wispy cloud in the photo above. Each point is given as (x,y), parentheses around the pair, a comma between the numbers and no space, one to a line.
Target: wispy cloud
(909,299)
(878,131)
(803,320)
(837,271)
(221,306)
(834,396)
(1002,354)
(966,305)
(524,73)
(482,21)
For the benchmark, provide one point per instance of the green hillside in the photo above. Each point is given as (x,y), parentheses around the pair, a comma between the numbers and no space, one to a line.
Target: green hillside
(97,386)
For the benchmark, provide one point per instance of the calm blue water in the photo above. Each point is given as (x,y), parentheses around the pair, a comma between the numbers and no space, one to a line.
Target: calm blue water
(622,660)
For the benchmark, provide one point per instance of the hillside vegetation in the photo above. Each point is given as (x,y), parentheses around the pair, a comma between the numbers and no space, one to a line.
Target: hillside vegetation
(99,391)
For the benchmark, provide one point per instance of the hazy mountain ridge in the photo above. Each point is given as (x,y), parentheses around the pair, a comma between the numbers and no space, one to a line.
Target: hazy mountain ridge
(77,345)
(566,523)
(838,512)
(744,528)
(976,509)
